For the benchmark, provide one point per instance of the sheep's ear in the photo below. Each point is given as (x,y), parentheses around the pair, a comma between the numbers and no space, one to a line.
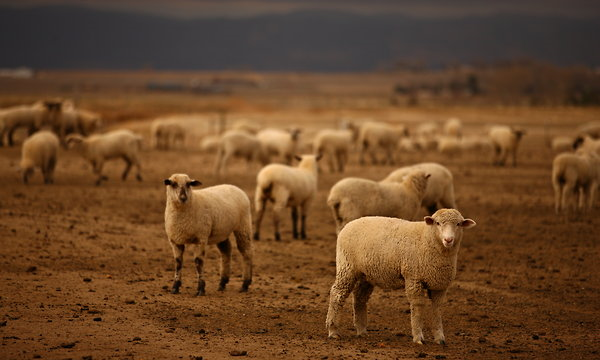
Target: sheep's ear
(168,182)
(468,223)
(429,220)
(297,157)
(427,176)
(577,143)
(194,183)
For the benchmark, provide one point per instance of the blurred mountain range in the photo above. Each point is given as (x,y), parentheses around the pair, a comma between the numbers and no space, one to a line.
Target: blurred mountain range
(61,37)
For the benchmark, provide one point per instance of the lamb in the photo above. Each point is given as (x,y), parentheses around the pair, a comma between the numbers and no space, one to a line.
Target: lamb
(440,185)
(101,147)
(505,140)
(167,134)
(562,144)
(32,117)
(72,120)
(40,149)
(351,198)
(286,186)
(375,135)
(335,145)
(280,143)
(453,128)
(393,253)
(242,144)
(206,217)
(575,175)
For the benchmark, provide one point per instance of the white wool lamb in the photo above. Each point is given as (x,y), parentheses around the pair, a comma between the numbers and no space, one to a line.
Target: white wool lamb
(376,136)
(351,198)
(286,186)
(32,117)
(238,143)
(207,217)
(334,145)
(112,145)
(575,175)
(280,143)
(440,185)
(39,150)
(393,253)
(505,140)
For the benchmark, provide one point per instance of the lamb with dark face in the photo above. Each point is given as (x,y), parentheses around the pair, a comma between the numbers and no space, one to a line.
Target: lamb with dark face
(205,217)
(394,254)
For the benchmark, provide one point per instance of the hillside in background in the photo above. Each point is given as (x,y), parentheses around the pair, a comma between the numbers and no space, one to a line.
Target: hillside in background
(61,37)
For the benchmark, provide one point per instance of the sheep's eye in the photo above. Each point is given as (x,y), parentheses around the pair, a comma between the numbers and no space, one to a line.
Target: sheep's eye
(437,222)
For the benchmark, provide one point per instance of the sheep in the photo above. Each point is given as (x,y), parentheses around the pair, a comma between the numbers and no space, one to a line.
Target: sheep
(72,120)
(505,140)
(248,126)
(335,145)
(393,253)
(587,144)
(449,145)
(280,143)
(167,134)
(351,198)
(210,144)
(575,175)
(242,144)
(32,117)
(98,148)
(206,217)
(453,127)
(286,186)
(561,144)
(40,149)
(440,185)
(375,135)
(591,128)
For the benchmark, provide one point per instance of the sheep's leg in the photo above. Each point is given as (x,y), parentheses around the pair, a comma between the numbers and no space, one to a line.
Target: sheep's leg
(178,254)
(437,297)
(260,212)
(361,296)
(514,157)
(244,245)
(415,294)
(127,168)
(568,193)
(331,161)
(592,195)
(557,198)
(26,174)
(295,221)
(342,287)
(10,136)
(199,261)
(373,155)
(280,197)
(303,212)
(225,249)
(361,155)
(390,155)
(341,159)
(98,165)
(136,162)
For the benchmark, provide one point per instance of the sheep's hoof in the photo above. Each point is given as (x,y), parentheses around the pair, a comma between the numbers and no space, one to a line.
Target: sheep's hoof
(295,235)
(175,290)
(441,342)
(303,236)
(256,236)
(245,285)
(334,336)
(223,283)
(201,293)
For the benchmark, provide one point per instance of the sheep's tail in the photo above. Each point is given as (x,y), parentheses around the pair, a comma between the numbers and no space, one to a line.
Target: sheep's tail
(263,193)
(140,141)
(335,205)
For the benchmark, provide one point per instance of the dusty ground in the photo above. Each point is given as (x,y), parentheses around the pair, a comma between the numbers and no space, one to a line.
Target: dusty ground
(85,270)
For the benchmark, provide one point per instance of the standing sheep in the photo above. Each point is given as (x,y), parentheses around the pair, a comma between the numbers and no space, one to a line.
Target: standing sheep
(505,140)
(40,149)
(374,135)
(575,175)
(238,143)
(32,117)
(101,147)
(167,134)
(280,143)
(335,146)
(394,254)
(286,186)
(440,185)
(352,198)
(453,128)
(206,217)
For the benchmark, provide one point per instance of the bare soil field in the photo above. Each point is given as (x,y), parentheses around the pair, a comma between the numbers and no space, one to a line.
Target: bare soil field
(86,270)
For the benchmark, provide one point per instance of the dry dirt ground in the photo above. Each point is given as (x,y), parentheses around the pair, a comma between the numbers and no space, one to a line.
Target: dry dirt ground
(85,270)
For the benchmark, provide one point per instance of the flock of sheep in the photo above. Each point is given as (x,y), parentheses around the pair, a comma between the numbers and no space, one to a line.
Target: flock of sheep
(379,243)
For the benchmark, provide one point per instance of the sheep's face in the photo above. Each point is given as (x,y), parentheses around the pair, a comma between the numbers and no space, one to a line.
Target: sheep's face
(449,224)
(179,188)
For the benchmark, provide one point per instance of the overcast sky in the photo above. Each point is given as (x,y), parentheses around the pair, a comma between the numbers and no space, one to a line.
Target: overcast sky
(418,8)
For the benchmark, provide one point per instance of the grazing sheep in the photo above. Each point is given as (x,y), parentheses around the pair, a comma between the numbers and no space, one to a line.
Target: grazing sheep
(440,185)
(575,175)
(40,149)
(101,147)
(375,135)
(286,186)
(167,134)
(561,144)
(505,140)
(280,143)
(32,117)
(351,198)
(394,254)
(453,128)
(206,217)
(238,143)
(334,145)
